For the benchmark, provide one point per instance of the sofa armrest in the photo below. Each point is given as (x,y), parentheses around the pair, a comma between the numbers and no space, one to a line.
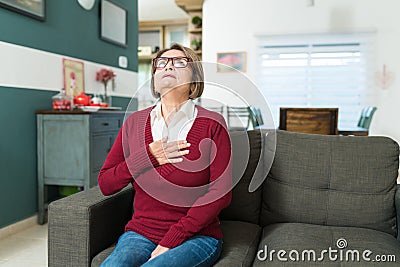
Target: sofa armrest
(84,224)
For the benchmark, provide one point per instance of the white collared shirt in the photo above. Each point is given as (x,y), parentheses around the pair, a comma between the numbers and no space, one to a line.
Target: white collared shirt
(180,123)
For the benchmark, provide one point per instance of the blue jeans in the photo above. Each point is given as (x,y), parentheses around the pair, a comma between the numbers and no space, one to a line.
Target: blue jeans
(134,249)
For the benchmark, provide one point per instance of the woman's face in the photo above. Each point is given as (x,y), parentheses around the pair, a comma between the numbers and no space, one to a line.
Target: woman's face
(171,78)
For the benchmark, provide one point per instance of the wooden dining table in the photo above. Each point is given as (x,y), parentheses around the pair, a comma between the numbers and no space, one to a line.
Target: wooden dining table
(356,131)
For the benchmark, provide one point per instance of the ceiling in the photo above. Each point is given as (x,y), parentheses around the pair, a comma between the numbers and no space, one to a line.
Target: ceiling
(159,10)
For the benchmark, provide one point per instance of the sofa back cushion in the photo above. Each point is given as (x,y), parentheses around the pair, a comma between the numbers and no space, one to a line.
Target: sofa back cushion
(246,152)
(332,180)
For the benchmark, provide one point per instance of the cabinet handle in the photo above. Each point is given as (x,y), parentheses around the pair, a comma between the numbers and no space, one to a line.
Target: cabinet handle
(105,124)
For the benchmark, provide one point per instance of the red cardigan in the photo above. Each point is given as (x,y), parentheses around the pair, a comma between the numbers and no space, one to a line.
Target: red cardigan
(172,202)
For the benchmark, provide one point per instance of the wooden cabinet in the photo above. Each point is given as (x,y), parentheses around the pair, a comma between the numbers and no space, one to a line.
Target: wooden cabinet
(71,149)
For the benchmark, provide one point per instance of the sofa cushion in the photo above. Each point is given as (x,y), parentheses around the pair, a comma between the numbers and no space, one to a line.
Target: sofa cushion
(332,180)
(240,243)
(301,237)
(99,258)
(239,247)
(246,152)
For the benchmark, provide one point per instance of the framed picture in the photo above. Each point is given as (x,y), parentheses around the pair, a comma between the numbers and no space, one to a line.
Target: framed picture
(73,77)
(33,8)
(227,61)
(113,23)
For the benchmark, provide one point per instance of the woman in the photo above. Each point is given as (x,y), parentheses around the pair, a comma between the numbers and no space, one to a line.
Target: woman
(177,157)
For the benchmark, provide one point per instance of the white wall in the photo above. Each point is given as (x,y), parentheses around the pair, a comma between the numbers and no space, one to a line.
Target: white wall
(23,67)
(159,10)
(231,25)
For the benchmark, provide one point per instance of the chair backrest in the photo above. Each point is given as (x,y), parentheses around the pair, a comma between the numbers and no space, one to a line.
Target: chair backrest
(309,120)
(256,117)
(239,118)
(259,117)
(366,117)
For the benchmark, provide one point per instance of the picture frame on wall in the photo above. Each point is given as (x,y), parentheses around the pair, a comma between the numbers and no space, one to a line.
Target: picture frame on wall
(231,61)
(113,23)
(33,8)
(74,78)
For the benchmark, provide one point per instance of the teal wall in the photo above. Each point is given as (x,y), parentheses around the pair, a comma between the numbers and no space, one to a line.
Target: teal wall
(123,102)
(68,30)
(18,182)
(18,179)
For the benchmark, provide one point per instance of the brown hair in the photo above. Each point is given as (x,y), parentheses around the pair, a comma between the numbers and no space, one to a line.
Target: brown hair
(197,84)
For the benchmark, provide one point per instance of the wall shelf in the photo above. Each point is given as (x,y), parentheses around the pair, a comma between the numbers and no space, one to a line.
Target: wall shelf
(190,5)
(196,31)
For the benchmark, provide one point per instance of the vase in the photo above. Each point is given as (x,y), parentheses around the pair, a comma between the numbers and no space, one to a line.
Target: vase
(106,97)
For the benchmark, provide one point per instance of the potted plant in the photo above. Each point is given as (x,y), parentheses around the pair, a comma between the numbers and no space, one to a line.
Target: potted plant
(196,44)
(197,21)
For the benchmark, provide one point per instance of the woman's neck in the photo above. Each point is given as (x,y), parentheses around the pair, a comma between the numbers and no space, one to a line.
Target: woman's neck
(169,106)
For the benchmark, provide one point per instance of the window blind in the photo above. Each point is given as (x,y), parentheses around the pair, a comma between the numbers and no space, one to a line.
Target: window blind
(321,70)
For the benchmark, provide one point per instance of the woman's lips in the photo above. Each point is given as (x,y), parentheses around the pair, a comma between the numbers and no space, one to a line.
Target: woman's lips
(168,75)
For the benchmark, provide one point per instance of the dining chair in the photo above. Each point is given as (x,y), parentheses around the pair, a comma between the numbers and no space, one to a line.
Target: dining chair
(309,120)
(256,117)
(366,117)
(239,118)
(363,124)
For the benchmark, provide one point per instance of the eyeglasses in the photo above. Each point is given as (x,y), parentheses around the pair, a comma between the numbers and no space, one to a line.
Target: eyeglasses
(177,62)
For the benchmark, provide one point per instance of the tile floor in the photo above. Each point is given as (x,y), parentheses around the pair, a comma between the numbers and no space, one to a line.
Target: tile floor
(26,248)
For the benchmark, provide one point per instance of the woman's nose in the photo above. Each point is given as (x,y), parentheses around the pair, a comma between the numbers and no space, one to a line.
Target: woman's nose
(169,65)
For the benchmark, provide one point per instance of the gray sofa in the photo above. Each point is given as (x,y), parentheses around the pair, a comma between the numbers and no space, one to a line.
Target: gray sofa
(324,197)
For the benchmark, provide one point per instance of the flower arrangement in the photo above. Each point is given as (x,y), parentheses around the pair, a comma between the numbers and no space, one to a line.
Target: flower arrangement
(105,75)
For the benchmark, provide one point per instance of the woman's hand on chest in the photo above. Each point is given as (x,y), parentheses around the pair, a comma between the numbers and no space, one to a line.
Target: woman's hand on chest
(169,152)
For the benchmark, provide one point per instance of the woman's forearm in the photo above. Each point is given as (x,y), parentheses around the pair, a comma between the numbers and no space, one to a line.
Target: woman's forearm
(118,171)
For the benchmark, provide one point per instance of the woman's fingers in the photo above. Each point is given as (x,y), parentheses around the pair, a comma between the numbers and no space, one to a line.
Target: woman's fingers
(174,160)
(174,143)
(169,152)
(175,146)
(177,154)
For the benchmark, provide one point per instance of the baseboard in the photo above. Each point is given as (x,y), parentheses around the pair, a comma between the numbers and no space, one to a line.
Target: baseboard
(17,227)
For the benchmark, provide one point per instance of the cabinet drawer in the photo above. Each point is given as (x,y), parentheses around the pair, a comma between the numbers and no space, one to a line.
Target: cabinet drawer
(101,124)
